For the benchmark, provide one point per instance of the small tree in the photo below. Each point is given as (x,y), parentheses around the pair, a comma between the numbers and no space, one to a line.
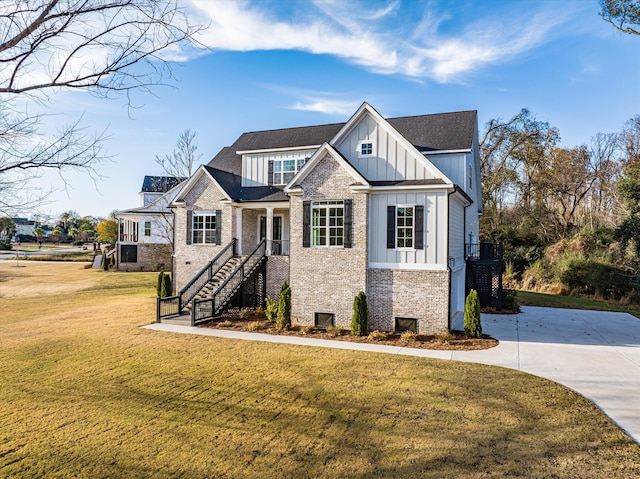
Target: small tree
(283,319)
(105,262)
(167,288)
(360,318)
(472,326)
(160,283)
(271,311)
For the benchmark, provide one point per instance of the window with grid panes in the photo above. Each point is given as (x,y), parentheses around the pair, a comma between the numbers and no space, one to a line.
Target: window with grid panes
(404,226)
(285,170)
(204,226)
(327,223)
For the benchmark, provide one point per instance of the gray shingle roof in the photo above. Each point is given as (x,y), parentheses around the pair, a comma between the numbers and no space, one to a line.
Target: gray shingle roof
(441,131)
(159,184)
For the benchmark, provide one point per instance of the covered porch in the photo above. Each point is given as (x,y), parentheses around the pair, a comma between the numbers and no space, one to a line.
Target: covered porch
(257,221)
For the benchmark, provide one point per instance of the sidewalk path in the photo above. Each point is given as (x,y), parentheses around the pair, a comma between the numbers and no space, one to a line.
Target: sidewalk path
(595,353)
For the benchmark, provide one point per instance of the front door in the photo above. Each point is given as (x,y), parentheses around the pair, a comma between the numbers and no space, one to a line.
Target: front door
(276,246)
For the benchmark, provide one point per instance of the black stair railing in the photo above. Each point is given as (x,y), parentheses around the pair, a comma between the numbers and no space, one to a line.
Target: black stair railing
(205,309)
(173,305)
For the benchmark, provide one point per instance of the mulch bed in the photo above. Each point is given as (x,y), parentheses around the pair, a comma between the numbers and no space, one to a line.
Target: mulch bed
(257,323)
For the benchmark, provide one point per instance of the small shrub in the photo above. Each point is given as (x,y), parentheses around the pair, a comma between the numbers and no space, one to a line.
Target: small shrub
(510,299)
(78,243)
(105,263)
(472,326)
(377,336)
(305,330)
(4,246)
(408,336)
(333,331)
(244,313)
(360,318)
(283,318)
(271,311)
(254,326)
(444,338)
(166,288)
(225,324)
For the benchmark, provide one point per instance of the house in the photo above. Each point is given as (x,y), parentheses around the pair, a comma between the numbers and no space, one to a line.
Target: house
(380,205)
(145,233)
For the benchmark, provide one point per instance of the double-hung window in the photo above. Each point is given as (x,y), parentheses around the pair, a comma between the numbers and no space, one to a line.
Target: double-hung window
(147,228)
(284,170)
(327,223)
(204,228)
(404,226)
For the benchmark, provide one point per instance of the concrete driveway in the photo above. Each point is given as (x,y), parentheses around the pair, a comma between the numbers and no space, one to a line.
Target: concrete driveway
(595,353)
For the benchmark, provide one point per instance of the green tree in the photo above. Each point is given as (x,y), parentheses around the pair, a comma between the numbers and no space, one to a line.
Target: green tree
(283,318)
(360,318)
(472,326)
(7,228)
(39,233)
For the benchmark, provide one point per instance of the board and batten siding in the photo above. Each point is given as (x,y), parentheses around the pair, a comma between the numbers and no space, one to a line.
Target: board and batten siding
(453,165)
(391,161)
(434,253)
(255,167)
(456,231)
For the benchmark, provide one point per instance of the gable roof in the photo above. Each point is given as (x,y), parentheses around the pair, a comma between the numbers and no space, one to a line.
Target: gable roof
(434,132)
(159,184)
(158,206)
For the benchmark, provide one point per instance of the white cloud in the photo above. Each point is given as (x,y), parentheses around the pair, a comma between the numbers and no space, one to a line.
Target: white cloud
(327,106)
(378,39)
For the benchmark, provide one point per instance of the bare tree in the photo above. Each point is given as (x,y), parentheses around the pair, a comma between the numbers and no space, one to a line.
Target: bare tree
(624,15)
(106,47)
(180,162)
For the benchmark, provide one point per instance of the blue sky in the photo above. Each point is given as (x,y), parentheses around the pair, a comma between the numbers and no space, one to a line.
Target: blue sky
(276,64)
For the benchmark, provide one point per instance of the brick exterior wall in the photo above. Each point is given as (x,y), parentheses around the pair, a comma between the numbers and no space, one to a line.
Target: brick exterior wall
(151,257)
(423,295)
(277,273)
(188,260)
(250,230)
(326,279)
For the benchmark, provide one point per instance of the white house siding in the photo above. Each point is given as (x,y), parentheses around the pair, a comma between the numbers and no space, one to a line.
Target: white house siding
(255,167)
(434,254)
(189,259)
(453,165)
(161,228)
(456,232)
(392,160)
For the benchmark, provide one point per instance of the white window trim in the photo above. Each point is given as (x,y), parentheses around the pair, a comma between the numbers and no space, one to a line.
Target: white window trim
(325,204)
(193,222)
(144,228)
(281,173)
(413,229)
(374,151)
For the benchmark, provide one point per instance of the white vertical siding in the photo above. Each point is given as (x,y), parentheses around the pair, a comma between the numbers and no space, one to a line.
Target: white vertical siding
(392,160)
(452,165)
(456,231)
(255,167)
(435,230)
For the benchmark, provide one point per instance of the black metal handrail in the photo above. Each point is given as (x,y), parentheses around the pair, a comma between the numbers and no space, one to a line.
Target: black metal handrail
(204,309)
(485,250)
(173,305)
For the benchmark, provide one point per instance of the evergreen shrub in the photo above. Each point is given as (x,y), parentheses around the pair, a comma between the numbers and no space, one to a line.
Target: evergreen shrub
(472,326)
(360,318)
(283,318)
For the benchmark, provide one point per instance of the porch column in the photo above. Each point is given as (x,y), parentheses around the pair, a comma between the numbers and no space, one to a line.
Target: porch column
(269,232)
(239,230)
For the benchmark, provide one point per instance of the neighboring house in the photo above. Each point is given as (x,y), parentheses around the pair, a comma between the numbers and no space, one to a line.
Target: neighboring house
(378,205)
(145,239)
(24,226)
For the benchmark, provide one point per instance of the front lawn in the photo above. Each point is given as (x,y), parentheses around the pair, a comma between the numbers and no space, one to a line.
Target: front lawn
(84,392)
(529,298)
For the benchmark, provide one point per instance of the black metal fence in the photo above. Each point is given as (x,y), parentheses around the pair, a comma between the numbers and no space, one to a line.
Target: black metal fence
(484,273)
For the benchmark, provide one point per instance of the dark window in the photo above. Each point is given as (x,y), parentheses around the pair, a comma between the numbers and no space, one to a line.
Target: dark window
(147,228)
(324,319)
(128,253)
(406,324)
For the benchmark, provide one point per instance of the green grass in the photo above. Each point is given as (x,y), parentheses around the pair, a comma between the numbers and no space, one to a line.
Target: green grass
(528,298)
(84,392)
